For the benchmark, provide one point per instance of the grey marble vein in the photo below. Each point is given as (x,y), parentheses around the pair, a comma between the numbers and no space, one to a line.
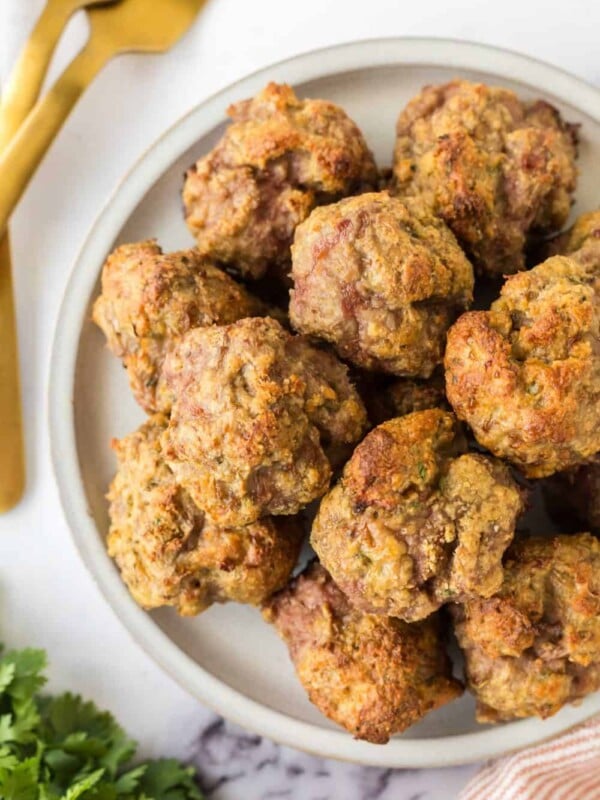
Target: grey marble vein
(237,765)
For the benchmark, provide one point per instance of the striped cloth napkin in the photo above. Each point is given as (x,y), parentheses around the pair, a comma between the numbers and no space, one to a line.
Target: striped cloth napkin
(567,768)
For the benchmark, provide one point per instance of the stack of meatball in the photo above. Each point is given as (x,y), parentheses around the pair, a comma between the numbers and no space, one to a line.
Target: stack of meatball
(405,431)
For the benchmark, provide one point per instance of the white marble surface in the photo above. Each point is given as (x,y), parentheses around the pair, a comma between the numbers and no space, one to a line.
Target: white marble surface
(46,597)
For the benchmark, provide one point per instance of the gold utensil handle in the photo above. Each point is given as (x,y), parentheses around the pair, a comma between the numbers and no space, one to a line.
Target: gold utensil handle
(12,459)
(20,159)
(22,89)
(18,98)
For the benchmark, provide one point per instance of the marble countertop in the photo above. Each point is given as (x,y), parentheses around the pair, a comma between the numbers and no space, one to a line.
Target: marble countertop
(47,599)
(237,764)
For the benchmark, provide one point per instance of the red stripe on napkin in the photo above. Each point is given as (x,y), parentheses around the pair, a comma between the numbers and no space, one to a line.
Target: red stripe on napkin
(563,769)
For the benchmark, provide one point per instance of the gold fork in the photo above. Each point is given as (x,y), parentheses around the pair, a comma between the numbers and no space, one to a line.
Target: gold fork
(18,98)
(130,26)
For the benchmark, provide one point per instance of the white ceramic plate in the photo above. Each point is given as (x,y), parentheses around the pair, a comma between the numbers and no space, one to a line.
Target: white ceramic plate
(228,657)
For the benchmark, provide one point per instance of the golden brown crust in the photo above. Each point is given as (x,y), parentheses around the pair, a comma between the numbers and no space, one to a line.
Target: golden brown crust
(373,675)
(150,298)
(415,520)
(277,160)
(170,554)
(381,281)
(255,410)
(495,169)
(535,645)
(525,376)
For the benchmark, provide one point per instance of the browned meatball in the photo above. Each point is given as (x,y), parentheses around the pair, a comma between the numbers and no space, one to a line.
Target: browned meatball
(255,407)
(149,298)
(279,158)
(171,554)
(575,489)
(379,280)
(415,520)
(373,675)
(535,645)
(497,170)
(578,488)
(526,374)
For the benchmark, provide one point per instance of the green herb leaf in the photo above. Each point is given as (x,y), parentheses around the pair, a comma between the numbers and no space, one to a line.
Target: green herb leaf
(128,782)
(79,788)
(27,667)
(65,748)
(167,779)
(7,673)
(20,783)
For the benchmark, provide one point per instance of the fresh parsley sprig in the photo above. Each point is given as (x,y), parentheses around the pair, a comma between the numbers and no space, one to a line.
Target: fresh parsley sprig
(64,748)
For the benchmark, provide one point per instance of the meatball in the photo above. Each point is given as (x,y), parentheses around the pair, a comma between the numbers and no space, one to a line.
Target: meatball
(373,675)
(416,521)
(279,158)
(582,241)
(170,554)
(149,298)
(497,170)
(535,645)
(525,375)
(255,411)
(381,281)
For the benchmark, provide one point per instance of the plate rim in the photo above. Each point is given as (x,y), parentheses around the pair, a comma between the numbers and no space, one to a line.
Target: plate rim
(147,169)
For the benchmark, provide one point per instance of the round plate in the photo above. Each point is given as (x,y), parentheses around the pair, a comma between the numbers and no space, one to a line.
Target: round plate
(228,657)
